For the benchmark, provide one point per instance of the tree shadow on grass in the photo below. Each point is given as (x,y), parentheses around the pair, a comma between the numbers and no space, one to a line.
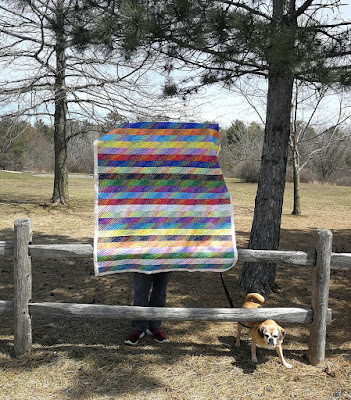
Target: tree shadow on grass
(305,240)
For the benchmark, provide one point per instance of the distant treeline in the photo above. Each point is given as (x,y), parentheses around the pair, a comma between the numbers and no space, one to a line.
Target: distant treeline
(324,155)
(320,155)
(26,147)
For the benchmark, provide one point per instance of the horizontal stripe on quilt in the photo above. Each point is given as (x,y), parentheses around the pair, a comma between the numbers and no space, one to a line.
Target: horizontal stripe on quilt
(159,151)
(150,145)
(164,225)
(166,125)
(156,157)
(182,164)
(165,261)
(159,183)
(143,232)
(169,256)
(165,208)
(168,248)
(120,220)
(163,247)
(174,238)
(166,137)
(159,177)
(164,268)
(115,225)
(161,170)
(163,195)
(109,249)
(156,213)
(129,246)
(164,201)
(158,190)
(163,131)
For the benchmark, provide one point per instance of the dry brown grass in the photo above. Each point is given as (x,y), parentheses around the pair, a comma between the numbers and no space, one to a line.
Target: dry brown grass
(86,359)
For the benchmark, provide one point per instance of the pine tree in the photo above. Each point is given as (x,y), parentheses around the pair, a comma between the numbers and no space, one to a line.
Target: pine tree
(279,41)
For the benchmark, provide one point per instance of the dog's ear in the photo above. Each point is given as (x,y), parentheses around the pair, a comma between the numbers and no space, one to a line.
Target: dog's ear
(282,334)
(260,331)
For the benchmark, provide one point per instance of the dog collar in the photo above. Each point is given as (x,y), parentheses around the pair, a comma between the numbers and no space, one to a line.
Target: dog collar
(248,327)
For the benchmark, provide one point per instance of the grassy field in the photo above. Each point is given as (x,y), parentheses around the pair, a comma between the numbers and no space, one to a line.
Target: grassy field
(86,359)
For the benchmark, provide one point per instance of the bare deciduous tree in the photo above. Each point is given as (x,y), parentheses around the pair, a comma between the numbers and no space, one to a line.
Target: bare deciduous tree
(240,150)
(311,143)
(47,72)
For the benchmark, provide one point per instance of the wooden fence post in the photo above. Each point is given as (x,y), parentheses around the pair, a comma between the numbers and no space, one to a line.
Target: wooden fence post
(22,287)
(320,295)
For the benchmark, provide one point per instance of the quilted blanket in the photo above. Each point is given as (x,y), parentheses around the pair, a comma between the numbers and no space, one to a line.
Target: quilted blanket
(161,200)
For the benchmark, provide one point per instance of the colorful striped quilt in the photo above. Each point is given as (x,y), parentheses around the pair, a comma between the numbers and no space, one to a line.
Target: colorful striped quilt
(161,200)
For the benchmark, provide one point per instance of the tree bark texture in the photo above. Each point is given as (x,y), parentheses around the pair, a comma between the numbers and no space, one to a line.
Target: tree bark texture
(60,192)
(296,179)
(265,230)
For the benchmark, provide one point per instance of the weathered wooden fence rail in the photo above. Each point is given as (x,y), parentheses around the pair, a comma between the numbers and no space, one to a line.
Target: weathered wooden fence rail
(322,259)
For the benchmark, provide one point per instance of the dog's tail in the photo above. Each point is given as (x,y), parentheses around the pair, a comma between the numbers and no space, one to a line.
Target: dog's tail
(255,298)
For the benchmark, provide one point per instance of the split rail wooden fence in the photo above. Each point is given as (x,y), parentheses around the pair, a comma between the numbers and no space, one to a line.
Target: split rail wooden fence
(321,260)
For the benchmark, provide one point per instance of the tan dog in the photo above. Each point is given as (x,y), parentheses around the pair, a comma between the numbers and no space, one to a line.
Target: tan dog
(267,334)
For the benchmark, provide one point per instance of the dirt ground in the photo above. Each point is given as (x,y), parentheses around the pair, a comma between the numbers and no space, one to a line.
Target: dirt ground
(86,359)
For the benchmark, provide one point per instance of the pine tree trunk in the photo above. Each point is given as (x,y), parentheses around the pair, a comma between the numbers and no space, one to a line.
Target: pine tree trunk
(60,192)
(265,230)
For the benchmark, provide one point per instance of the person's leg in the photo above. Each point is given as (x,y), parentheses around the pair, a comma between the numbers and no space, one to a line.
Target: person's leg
(158,294)
(142,286)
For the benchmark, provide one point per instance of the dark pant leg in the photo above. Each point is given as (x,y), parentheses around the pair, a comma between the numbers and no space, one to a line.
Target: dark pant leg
(142,286)
(158,294)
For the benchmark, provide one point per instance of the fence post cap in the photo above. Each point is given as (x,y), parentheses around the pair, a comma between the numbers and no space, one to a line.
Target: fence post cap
(22,221)
(324,232)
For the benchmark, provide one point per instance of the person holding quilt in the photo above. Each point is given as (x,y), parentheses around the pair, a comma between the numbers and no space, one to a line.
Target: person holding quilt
(149,291)
(162,205)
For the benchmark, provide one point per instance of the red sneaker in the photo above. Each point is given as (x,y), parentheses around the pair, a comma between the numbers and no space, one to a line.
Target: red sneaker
(158,335)
(133,338)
